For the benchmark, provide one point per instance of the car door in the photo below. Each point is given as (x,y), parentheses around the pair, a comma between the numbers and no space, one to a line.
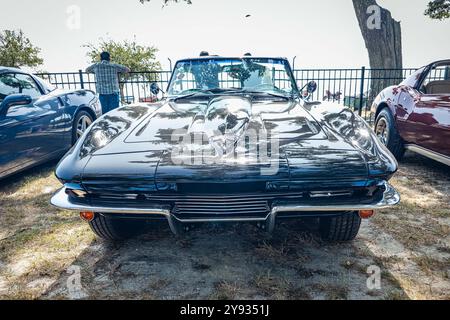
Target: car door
(27,132)
(428,122)
(431,117)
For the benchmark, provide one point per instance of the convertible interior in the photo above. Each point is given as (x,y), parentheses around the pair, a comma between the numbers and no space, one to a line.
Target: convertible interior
(438,80)
(438,87)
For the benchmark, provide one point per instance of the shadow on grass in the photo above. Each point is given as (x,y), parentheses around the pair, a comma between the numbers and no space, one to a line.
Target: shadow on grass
(235,261)
(14,182)
(424,163)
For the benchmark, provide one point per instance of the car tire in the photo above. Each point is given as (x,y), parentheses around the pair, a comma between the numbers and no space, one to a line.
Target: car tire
(340,228)
(82,121)
(387,132)
(116,229)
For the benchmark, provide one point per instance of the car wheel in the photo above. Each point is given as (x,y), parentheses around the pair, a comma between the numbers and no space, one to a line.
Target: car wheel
(82,121)
(340,228)
(116,229)
(388,134)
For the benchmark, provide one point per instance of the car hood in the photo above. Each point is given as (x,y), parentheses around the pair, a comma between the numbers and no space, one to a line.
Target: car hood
(146,153)
(218,119)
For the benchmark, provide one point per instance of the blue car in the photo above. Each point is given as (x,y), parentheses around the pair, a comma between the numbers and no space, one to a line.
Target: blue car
(39,122)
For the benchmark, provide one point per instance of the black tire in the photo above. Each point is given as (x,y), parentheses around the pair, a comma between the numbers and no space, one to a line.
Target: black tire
(392,139)
(340,228)
(80,115)
(116,229)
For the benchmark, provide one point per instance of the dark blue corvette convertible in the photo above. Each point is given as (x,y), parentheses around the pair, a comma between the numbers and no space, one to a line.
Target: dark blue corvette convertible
(233,140)
(39,122)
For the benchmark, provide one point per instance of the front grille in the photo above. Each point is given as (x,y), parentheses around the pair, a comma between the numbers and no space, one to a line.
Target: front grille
(220,206)
(215,207)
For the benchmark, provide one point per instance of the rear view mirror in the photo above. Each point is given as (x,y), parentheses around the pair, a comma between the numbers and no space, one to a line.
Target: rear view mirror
(14,100)
(311,87)
(154,88)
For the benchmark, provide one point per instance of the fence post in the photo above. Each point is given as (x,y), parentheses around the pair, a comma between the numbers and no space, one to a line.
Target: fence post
(80,72)
(361,91)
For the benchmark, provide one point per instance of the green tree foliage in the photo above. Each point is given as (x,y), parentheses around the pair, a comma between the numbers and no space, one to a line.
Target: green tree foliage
(438,9)
(16,50)
(128,53)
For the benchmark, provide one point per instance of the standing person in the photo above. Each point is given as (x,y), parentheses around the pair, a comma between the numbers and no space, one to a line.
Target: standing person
(107,81)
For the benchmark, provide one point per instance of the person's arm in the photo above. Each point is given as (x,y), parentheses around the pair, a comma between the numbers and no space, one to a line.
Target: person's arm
(91,68)
(122,69)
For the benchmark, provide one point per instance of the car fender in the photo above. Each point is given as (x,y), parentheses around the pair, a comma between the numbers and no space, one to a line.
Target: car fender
(344,122)
(386,98)
(102,132)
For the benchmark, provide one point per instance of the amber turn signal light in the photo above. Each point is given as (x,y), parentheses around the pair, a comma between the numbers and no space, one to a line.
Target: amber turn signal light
(87,216)
(366,214)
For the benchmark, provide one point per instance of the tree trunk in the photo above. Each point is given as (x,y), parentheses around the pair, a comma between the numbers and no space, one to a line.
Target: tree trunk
(384,45)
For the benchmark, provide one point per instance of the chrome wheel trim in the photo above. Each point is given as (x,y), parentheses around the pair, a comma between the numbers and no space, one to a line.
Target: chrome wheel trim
(83,123)
(382,130)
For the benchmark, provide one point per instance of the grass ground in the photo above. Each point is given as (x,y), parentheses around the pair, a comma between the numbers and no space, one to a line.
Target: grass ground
(41,246)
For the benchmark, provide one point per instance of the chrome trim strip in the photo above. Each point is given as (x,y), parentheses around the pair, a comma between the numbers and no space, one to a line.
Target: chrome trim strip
(390,198)
(225,219)
(429,154)
(208,198)
(61,200)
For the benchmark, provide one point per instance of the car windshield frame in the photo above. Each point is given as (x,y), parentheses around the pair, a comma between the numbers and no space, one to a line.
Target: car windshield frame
(240,61)
(45,84)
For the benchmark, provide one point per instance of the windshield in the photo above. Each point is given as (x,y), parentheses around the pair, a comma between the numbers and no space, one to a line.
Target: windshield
(218,75)
(411,81)
(48,87)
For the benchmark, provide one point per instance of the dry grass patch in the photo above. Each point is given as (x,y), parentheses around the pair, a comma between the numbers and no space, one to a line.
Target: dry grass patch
(423,216)
(278,287)
(332,291)
(433,266)
(226,290)
(37,241)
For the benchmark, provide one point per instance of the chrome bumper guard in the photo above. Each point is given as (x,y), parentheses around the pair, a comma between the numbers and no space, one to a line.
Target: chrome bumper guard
(390,198)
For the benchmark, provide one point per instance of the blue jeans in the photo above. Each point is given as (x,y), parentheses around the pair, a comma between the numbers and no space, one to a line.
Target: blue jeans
(109,102)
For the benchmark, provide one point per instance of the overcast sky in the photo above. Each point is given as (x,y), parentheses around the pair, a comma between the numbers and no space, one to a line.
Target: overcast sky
(321,33)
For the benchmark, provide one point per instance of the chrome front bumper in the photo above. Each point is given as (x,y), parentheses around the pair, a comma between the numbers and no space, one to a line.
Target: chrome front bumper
(390,198)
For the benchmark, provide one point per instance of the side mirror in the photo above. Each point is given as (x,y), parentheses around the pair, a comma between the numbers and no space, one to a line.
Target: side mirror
(14,100)
(311,87)
(154,88)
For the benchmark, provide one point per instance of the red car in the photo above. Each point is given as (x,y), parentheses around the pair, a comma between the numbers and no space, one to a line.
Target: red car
(415,115)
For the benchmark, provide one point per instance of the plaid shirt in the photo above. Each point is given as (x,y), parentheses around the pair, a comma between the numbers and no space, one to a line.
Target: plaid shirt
(107,76)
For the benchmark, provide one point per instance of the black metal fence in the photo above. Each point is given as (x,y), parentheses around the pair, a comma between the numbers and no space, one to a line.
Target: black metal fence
(135,86)
(354,88)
